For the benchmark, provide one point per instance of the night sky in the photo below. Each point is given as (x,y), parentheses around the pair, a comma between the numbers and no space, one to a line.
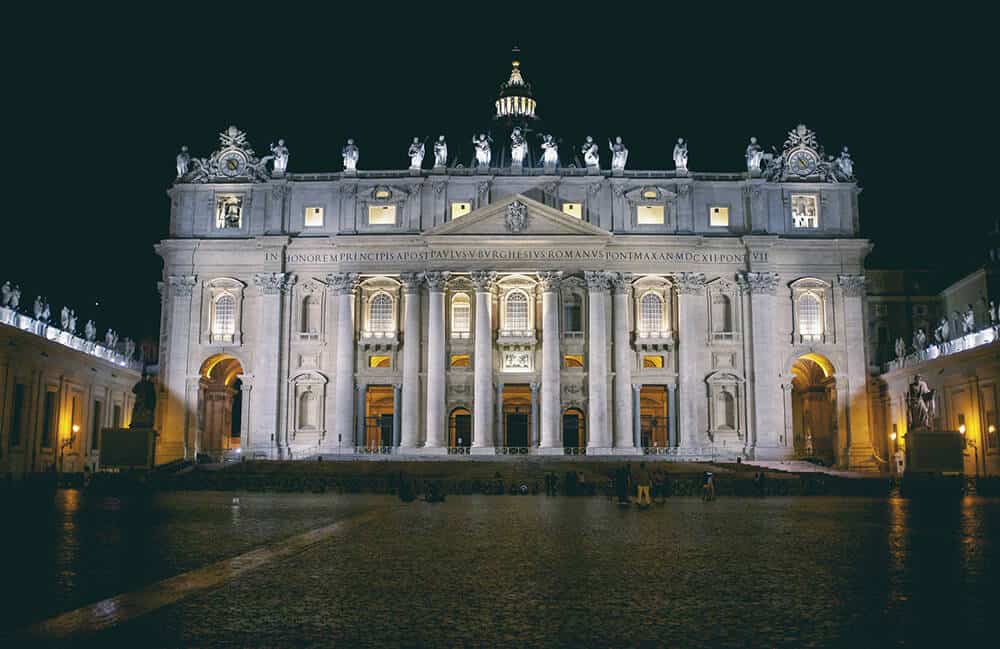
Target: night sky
(102,101)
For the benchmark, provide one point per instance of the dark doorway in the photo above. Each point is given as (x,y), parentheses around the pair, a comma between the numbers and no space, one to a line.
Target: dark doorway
(517,430)
(236,418)
(385,429)
(572,429)
(461,428)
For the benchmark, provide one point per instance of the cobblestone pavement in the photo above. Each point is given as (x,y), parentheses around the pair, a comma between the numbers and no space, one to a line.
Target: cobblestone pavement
(534,571)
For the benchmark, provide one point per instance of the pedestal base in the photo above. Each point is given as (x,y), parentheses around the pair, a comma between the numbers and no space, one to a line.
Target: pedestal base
(482,450)
(549,450)
(771,453)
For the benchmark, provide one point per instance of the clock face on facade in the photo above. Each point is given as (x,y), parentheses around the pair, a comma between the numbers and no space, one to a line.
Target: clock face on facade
(802,163)
(232,164)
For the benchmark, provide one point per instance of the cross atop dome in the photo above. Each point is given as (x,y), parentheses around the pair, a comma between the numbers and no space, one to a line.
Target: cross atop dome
(515,102)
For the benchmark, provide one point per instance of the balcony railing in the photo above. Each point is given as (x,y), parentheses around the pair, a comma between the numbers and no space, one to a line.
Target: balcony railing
(985,336)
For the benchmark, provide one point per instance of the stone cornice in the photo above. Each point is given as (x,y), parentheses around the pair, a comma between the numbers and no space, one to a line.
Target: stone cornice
(274,283)
(549,280)
(342,283)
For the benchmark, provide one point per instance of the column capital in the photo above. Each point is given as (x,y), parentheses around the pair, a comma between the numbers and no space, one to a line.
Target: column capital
(758,283)
(342,283)
(597,280)
(549,279)
(852,285)
(690,283)
(181,285)
(534,387)
(620,282)
(274,283)
(483,279)
(411,282)
(436,280)
(636,387)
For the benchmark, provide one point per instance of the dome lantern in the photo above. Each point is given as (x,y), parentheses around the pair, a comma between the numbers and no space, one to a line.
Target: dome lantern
(515,102)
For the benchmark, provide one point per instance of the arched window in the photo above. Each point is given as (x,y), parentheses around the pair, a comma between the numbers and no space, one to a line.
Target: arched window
(517,311)
(722,314)
(307,411)
(810,317)
(461,312)
(380,313)
(572,313)
(224,318)
(310,315)
(651,313)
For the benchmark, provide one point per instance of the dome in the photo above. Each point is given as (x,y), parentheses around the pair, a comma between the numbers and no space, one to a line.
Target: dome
(515,100)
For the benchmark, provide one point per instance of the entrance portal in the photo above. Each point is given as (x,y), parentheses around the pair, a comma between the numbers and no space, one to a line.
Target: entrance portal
(460,428)
(653,416)
(814,408)
(220,400)
(573,433)
(378,416)
(517,416)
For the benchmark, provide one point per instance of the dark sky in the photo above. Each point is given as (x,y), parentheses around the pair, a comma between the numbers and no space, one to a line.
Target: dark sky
(101,100)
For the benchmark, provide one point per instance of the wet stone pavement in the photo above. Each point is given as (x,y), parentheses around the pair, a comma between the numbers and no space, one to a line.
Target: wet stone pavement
(565,572)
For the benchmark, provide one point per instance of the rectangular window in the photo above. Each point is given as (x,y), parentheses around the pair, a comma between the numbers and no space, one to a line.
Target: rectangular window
(380,361)
(116,413)
(381,215)
(652,362)
(314,217)
(805,211)
(49,419)
(718,217)
(649,214)
(573,209)
(17,416)
(573,360)
(460,360)
(460,209)
(95,427)
(229,212)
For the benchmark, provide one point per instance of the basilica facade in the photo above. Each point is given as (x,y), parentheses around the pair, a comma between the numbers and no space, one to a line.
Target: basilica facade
(514,305)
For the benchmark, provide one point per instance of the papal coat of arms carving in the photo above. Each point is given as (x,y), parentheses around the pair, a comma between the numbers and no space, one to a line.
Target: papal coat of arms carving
(517,217)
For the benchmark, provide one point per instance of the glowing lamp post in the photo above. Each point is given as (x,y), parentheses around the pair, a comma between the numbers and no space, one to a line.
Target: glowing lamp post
(67,443)
(971,442)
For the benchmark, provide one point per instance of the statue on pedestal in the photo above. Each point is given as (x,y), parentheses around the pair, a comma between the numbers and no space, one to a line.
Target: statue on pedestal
(183,162)
(969,320)
(72,322)
(46,312)
(993,313)
(37,307)
(144,408)
(518,148)
(416,153)
(484,152)
(900,348)
(550,151)
(280,158)
(619,154)
(129,350)
(920,338)
(440,153)
(15,297)
(956,323)
(591,153)
(110,339)
(90,331)
(920,409)
(754,156)
(350,154)
(844,165)
(64,318)
(681,156)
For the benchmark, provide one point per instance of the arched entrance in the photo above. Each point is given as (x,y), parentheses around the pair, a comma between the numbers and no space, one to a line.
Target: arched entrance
(460,428)
(516,415)
(220,406)
(573,430)
(653,413)
(814,407)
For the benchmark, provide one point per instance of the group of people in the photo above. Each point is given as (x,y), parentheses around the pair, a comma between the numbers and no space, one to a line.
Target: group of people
(642,484)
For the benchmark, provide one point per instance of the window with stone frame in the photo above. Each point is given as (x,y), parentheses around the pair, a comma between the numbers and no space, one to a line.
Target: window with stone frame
(572,313)
(811,311)
(222,300)
(310,315)
(517,312)
(308,410)
(461,316)
(381,317)
(810,317)
(650,313)
(805,211)
(722,314)
(224,318)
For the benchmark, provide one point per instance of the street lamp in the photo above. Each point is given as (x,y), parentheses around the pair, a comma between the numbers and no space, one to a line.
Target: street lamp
(971,442)
(66,443)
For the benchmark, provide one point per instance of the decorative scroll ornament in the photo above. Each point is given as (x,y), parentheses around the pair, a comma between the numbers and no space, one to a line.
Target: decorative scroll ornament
(690,283)
(272,283)
(549,280)
(342,283)
(436,280)
(517,217)
(852,285)
(181,285)
(759,283)
(620,282)
(235,160)
(597,280)
(803,158)
(411,282)
(483,279)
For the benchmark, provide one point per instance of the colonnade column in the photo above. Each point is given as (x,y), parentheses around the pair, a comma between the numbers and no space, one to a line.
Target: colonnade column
(396,428)
(409,429)
(672,415)
(342,285)
(267,359)
(625,437)
(767,403)
(174,441)
(692,329)
(498,404)
(534,414)
(598,432)
(436,428)
(482,411)
(551,405)
(637,415)
(860,453)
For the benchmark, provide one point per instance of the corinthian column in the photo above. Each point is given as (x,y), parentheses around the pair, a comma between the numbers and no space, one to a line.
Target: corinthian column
(624,437)
(342,286)
(767,402)
(436,425)
(598,433)
(409,435)
(860,454)
(551,409)
(268,370)
(692,313)
(482,410)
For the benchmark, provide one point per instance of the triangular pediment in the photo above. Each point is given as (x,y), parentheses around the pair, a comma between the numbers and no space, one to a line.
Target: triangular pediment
(540,220)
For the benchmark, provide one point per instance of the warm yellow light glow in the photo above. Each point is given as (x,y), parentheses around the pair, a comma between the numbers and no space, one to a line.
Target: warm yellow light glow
(379,361)
(992,428)
(76,428)
(460,360)
(460,209)
(652,362)
(892,436)
(314,217)
(573,209)
(961,429)
(382,215)
(573,360)
(719,217)
(649,214)
(650,194)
